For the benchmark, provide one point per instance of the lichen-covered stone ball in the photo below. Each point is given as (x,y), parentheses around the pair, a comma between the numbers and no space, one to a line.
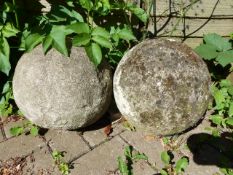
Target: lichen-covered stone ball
(58,92)
(162,86)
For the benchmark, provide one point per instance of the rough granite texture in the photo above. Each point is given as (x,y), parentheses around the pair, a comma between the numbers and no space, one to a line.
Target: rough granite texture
(57,92)
(162,86)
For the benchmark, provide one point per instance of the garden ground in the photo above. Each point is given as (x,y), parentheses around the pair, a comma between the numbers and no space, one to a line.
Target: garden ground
(95,150)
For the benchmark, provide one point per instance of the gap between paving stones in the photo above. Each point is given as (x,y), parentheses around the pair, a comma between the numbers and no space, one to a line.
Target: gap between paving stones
(148,163)
(94,147)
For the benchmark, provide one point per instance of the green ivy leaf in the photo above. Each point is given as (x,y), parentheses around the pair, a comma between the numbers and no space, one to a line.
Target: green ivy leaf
(219,98)
(94,53)
(8,7)
(47,43)
(106,5)
(102,41)
(206,51)
(225,83)
(32,41)
(6,87)
(230,112)
(71,13)
(34,131)
(15,131)
(163,172)
(225,58)
(229,121)
(1,26)
(9,30)
(181,164)
(25,34)
(216,119)
(165,157)
(70,3)
(81,39)
(220,43)
(5,65)
(86,4)
(58,33)
(122,166)
(126,34)
(230,90)
(137,11)
(216,132)
(99,31)
(78,27)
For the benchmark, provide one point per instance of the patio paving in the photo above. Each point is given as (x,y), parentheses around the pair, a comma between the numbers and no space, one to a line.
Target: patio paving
(93,152)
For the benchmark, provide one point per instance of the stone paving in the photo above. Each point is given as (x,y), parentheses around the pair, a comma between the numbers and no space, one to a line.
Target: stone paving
(92,152)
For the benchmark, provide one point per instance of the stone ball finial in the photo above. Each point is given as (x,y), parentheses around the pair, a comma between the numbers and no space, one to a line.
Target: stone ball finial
(162,86)
(58,92)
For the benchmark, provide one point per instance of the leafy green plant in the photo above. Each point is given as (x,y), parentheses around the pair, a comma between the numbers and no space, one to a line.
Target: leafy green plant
(125,166)
(58,160)
(8,30)
(78,23)
(217,49)
(173,168)
(26,127)
(227,171)
(223,106)
(6,107)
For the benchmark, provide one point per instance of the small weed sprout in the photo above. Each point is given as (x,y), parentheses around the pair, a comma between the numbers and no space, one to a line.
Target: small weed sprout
(58,160)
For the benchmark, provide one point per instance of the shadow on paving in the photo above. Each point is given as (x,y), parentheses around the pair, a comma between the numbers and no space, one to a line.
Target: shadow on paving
(101,123)
(210,150)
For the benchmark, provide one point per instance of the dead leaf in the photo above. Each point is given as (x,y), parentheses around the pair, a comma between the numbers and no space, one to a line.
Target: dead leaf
(108,130)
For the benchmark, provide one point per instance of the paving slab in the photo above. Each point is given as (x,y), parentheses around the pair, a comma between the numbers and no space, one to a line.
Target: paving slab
(152,148)
(95,137)
(102,160)
(68,141)
(19,146)
(40,162)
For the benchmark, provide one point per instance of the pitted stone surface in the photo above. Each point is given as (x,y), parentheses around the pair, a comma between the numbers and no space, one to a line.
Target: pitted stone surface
(162,86)
(57,92)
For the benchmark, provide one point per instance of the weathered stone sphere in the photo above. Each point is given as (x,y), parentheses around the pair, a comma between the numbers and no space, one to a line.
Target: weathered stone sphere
(58,92)
(162,86)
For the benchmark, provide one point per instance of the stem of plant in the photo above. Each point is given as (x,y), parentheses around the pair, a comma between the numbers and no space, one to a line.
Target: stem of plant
(16,15)
(150,4)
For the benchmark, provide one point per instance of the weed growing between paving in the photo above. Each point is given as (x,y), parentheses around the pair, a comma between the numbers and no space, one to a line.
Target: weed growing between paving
(131,156)
(58,160)
(173,168)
